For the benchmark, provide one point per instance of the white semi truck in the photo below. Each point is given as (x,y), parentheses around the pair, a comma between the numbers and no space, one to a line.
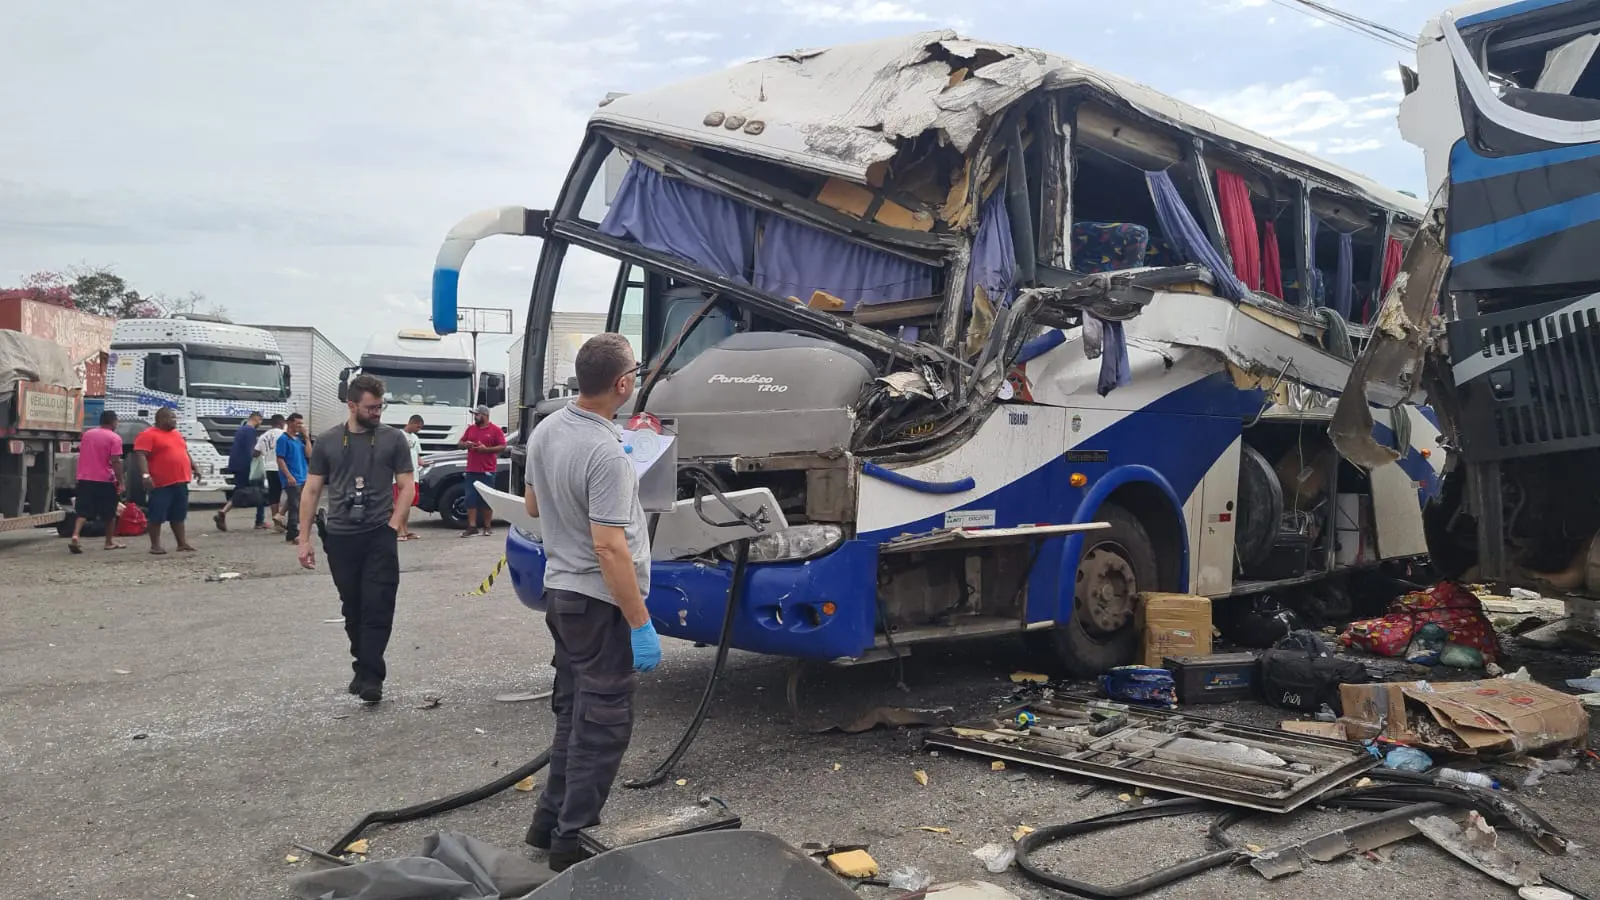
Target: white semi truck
(212,373)
(317,364)
(434,376)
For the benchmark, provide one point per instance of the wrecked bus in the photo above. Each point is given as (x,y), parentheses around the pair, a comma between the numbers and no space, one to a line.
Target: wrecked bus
(1498,321)
(1007,340)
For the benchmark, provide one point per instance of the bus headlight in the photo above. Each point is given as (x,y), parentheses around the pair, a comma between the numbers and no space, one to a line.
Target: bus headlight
(796,542)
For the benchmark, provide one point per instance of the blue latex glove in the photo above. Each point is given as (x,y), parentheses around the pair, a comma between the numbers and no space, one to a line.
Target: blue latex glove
(646,647)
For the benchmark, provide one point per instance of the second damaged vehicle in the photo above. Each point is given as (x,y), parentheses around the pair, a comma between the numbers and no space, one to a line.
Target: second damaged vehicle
(1003,340)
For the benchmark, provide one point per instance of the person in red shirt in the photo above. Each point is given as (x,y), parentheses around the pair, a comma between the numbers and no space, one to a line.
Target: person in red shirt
(483,440)
(164,458)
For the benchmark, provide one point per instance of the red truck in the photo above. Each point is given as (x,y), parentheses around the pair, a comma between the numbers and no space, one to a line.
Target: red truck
(41,416)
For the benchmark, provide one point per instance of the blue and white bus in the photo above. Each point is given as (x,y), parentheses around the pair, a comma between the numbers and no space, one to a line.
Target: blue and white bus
(1002,341)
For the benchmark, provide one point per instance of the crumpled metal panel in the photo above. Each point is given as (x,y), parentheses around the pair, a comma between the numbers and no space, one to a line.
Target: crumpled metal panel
(838,110)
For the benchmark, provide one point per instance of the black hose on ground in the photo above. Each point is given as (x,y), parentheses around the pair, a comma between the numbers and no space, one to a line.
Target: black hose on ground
(435,807)
(741,561)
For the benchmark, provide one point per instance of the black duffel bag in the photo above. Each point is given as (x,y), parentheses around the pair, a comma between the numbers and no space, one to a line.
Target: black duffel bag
(1301,673)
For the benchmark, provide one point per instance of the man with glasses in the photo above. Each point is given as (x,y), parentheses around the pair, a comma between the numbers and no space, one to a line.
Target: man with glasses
(361,462)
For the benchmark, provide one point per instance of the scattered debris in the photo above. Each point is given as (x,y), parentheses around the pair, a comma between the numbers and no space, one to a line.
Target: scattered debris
(140,736)
(1172,752)
(888,717)
(910,878)
(479,731)
(121,672)
(1029,678)
(996,857)
(291,859)
(359,846)
(338,621)
(933,829)
(921,777)
(1021,832)
(225,576)
(1542,892)
(682,782)
(430,701)
(997,766)
(1501,717)
(1588,685)
(1407,759)
(1125,798)
(1370,834)
(1331,730)
(1140,684)
(1475,845)
(837,767)
(523,696)
(970,890)
(853,864)
(1544,767)
(525,784)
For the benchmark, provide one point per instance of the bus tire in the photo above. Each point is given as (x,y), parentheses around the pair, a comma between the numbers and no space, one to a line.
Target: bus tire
(1116,564)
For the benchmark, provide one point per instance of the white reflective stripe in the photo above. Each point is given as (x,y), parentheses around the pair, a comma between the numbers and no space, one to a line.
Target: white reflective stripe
(1490,106)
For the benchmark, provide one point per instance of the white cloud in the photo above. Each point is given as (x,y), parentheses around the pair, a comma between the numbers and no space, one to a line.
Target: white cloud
(690,37)
(865,12)
(1341,146)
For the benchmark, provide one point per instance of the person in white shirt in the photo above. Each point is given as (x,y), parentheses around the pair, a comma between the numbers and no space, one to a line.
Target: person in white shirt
(266,451)
(414,443)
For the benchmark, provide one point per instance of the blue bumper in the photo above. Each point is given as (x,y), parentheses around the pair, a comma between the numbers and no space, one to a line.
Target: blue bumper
(780,609)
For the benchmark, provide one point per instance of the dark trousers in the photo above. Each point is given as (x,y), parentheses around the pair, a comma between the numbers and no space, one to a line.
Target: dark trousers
(593,703)
(290,496)
(366,570)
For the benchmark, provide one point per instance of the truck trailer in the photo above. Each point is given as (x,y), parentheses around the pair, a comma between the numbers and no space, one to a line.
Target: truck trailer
(41,415)
(316,365)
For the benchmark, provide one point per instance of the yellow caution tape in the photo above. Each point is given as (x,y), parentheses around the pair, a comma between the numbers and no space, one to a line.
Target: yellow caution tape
(489,582)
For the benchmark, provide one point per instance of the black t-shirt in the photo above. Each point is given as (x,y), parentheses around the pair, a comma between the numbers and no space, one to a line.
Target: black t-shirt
(359,468)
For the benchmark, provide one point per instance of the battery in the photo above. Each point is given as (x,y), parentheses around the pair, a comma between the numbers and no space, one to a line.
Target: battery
(1218,678)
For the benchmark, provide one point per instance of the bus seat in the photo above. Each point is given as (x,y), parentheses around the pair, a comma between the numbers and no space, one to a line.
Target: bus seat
(1106,246)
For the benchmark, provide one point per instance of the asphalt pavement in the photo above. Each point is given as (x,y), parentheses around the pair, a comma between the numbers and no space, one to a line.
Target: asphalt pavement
(170,726)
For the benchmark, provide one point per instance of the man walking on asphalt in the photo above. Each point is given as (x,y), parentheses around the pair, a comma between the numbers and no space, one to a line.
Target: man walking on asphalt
(240,456)
(99,476)
(290,455)
(483,441)
(360,462)
(582,487)
(164,459)
(267,450)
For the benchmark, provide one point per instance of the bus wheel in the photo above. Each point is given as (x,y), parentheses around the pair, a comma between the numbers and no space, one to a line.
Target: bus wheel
(1117,563)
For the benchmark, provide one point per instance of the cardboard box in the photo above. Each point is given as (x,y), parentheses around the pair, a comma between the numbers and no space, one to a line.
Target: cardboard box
(1501,717)
(1365,705)
(1174,625)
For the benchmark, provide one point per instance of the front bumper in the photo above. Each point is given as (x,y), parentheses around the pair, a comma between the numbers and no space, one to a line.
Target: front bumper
(780,609)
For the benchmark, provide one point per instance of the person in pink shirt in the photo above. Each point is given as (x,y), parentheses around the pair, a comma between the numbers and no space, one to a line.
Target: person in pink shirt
(483,440)
(99,481)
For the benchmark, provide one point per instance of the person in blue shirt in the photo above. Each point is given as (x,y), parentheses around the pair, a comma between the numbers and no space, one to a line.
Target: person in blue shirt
(240,455)
(292,471)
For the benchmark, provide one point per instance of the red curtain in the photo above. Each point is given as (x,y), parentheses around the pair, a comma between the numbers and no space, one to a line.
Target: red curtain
(1271,262)
(1239,224)
(1393,253)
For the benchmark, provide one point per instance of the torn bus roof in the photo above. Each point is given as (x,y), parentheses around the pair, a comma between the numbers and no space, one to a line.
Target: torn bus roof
(839,110)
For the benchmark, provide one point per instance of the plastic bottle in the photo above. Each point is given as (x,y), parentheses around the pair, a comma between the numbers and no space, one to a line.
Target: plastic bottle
(1476,779)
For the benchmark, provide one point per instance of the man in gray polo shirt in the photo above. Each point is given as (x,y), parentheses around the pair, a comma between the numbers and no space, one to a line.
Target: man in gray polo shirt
(582,487)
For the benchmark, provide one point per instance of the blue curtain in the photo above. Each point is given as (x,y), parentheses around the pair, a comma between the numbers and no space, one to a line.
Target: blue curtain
(1191,243)
(795,259)
(1344,284)
(683,220)
(994,256)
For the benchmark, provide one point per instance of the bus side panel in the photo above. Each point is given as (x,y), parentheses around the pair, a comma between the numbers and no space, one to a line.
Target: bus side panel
(1211,529)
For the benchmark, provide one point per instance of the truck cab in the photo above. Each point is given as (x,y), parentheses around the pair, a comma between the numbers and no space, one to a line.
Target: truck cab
(434,376)
(212,373)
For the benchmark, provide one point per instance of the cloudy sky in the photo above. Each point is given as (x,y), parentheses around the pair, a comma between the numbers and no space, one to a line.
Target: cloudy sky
(298,162)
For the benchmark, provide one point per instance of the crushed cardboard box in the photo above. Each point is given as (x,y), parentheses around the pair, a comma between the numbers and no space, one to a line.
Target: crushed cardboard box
(1174,625)
(1493,717)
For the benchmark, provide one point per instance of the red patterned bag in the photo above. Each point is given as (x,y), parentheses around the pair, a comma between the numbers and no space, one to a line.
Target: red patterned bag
(1455,608)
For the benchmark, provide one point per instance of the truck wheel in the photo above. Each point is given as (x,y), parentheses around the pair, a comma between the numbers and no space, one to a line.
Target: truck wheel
(1116,564)
(453,505)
